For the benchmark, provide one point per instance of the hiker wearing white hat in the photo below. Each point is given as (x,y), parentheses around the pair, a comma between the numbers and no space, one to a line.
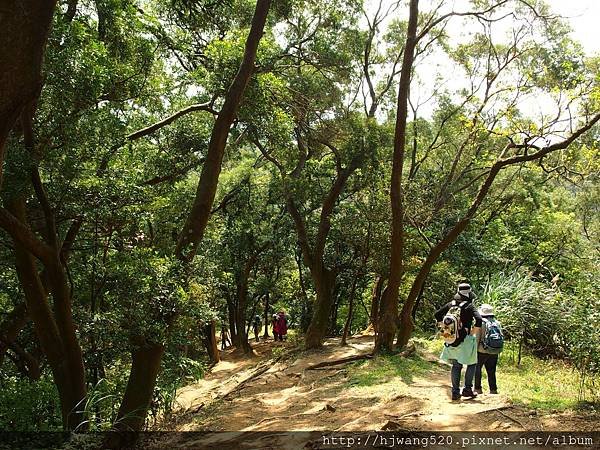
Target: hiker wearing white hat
(491,342)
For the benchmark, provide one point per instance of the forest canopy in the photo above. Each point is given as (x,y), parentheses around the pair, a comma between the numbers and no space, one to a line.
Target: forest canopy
(172,167)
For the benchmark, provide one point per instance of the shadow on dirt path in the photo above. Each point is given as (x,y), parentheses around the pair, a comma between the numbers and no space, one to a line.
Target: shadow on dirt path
(264,393)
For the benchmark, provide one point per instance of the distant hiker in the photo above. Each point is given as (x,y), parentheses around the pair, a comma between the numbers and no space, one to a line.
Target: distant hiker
(491,342)
(256,326)
(282,325)
(455,320)
(224,336)
(279,325)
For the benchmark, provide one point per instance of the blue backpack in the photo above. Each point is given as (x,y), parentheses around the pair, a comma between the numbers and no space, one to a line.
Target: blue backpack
(493,340)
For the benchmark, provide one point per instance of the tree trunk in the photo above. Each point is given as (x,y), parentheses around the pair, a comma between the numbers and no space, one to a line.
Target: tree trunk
(333,315)
(25,363)
(348,323)
(55,327)
(323,279)
(145,364)
(324,282)
(241,341)
(193,230)
(266,335)
(386,332)
(67,372)
(231,308)
(210,342)
(25,25)
(55,330)
(407,320)
(306,304)
(73,356)
(375,301)
(417,303)
(252,313)
(11,327)
(434,253)
(405,330)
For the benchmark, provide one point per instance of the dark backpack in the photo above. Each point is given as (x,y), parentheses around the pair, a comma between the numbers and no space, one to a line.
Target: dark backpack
(493,340)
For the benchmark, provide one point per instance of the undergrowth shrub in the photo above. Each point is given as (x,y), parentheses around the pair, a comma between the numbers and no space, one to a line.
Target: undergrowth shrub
(550,323)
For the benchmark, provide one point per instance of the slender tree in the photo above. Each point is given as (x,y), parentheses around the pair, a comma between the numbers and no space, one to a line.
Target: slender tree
(147,355)
(388,308)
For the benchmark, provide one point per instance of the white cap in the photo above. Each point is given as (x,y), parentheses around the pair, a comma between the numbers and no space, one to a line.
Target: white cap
(486,310)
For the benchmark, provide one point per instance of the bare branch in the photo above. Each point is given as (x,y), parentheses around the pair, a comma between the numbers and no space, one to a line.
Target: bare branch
(478,14)
(550,148)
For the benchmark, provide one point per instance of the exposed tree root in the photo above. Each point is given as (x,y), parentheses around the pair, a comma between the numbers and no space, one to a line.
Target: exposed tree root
(409,350)
(340,361)
(257,373)
(511,418)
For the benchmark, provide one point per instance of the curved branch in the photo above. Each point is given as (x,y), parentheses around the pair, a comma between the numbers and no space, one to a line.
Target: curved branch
(479,14)
(193,230)
(208,106)
(24,236)
(462,224)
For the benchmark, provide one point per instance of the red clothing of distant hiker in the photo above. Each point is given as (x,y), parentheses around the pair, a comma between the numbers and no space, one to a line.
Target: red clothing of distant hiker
(280,326)
(282,323)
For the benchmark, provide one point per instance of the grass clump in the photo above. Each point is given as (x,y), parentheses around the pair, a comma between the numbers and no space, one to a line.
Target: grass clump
(541,384)
(546,384)
(387,368)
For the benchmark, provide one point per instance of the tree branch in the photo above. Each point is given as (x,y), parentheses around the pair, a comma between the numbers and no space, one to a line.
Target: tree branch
(478,14)
(208,106)
(69,240)
(173,175)
(24,236)
(327,208)
(550,148)
(193,230)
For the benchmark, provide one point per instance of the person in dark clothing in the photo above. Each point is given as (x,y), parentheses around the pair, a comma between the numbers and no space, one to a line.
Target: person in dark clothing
(486,357)
(224,336)
(463,351)
(256,326)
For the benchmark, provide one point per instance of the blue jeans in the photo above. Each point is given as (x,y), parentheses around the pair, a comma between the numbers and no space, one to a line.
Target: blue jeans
(455,376)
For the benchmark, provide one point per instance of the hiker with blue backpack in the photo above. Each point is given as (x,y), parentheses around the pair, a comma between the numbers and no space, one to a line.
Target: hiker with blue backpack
(455,320)
(491,342)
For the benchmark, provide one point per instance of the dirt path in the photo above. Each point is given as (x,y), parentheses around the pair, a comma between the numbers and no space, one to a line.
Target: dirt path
(285,396)
(224,376)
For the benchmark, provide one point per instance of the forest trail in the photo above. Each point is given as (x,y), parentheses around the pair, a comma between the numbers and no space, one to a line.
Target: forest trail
(255,394)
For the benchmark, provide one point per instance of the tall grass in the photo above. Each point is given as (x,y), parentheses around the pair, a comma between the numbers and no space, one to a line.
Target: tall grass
(549,323)
(547,384)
